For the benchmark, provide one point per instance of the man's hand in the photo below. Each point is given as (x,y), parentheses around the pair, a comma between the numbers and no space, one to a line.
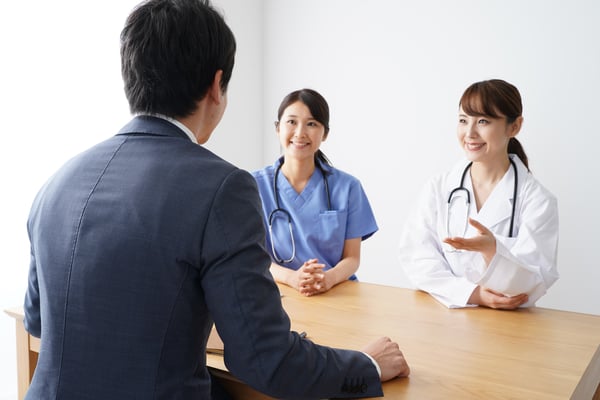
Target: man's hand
(389,357)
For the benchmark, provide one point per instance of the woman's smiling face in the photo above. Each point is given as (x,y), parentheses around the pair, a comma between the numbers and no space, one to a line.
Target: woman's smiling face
(484,138)
(300,134)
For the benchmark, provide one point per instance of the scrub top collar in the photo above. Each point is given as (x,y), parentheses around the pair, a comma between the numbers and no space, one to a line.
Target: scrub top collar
(328,169)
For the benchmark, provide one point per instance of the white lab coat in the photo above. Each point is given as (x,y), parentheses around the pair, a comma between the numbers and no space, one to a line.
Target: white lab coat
(525,263)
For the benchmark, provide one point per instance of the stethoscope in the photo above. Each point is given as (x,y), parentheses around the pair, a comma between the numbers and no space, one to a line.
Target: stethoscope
(279,209)
(461,188)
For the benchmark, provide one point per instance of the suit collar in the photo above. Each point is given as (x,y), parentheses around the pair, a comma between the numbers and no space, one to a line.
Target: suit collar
(153,126)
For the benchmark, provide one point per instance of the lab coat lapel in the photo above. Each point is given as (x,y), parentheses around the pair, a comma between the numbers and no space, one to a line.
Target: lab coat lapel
(498,206)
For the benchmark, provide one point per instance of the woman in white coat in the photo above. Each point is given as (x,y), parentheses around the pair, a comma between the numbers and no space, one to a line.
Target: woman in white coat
(486,232)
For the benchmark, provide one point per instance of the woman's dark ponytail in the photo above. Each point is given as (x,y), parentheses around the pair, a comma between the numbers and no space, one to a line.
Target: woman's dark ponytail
(515,147)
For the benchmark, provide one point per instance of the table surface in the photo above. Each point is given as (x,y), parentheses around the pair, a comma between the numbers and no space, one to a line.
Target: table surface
(470,353)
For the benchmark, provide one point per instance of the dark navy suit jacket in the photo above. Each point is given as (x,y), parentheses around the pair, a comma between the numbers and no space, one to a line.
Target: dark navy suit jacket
(137,245)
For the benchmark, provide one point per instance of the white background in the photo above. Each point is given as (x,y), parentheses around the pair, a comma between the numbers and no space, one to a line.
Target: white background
(392,72)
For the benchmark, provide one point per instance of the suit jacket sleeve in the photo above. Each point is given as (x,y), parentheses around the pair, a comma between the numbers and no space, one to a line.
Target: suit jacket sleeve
(31,308)
(245,303)
(33,323)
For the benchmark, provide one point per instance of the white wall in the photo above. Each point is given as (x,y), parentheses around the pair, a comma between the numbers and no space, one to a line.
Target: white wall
(61,92)
(393,72)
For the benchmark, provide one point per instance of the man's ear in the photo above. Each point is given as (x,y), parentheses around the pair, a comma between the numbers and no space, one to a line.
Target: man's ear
(215,92)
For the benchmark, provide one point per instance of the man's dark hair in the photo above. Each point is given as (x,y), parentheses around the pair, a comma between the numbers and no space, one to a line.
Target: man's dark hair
(170,52)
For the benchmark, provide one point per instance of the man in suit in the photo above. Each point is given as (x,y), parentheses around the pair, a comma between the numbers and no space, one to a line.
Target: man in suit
(141,242)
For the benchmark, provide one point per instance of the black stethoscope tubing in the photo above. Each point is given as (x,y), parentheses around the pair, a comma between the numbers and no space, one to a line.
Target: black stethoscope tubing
(278,208)
(514,203)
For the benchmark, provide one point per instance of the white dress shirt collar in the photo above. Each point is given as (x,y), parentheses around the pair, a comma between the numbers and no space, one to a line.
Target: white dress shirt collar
(178,124)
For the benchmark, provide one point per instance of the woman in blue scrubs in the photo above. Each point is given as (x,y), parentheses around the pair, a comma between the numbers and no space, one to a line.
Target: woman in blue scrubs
(316,216)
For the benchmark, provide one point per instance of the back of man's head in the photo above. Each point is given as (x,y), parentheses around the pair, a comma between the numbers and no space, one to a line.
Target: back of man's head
(170,52)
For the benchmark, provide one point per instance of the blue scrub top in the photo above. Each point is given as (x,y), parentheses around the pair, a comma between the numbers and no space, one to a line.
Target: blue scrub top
(318,232)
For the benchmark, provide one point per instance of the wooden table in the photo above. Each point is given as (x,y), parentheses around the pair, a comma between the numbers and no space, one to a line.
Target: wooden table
(28,348)
(470,353)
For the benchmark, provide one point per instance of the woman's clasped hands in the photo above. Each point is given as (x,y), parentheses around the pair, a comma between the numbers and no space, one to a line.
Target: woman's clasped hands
(310,279)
